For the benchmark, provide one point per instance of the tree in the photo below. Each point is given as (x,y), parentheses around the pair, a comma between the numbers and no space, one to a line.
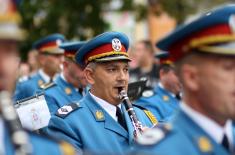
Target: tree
(82,19)
(75,19)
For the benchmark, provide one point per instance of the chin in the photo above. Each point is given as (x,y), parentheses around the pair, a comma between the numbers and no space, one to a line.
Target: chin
(116,98)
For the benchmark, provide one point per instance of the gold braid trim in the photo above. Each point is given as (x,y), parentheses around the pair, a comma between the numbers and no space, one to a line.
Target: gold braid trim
(211,40)
(216,50)
(152,118)
(168,62)
(107,54)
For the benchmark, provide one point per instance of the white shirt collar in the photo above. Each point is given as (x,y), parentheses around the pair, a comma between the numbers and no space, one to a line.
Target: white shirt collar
(45,77)
(207,124)
(109,108)
(161,86)
(62,77)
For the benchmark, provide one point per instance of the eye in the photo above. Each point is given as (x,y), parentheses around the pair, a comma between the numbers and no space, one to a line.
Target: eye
(126,69)
(111,69)
(228,65)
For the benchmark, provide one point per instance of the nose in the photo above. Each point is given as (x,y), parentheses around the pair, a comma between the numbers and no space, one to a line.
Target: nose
(122,75)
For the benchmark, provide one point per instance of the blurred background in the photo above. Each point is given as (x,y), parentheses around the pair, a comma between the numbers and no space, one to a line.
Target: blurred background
(83,19)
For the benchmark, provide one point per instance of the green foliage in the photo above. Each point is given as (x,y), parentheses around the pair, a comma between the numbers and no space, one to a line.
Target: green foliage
(76,19)
(82,19)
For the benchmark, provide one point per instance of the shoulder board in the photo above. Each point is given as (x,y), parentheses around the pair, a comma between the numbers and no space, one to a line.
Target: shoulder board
(154,135)
(148,93)
(148,113)
(22,79)
(45,86)
(151,117)
(67,109)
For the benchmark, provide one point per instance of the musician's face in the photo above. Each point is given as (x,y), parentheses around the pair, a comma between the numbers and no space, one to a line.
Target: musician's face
(107,78)
(9,62)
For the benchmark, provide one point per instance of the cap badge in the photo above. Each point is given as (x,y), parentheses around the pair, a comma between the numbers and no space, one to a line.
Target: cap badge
(232,23)
(58,42)
(116,44)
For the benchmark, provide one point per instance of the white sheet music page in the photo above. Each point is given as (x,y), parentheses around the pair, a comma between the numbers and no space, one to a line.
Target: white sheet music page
(34,113)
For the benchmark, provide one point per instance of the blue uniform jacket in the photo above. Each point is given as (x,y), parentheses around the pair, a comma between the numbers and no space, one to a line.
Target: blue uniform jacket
(28,88)
(90,128)
(161,103)
(184,137)
(60,94)
(40,145)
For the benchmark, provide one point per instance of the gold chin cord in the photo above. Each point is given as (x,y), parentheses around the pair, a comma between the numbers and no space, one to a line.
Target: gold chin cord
(138,128)
(19,137)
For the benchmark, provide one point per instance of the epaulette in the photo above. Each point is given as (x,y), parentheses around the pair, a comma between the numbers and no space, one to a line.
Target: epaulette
(154,135)
(23,79)
(148,113)
(67,109)
(148,93)
(45,86)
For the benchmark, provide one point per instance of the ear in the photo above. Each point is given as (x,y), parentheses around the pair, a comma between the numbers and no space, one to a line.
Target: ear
(89,74)
(190,77)
(161,72)
(41,59)
(65,64)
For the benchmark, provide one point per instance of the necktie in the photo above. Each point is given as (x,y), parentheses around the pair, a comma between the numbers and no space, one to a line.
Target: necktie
(225,142)
(178,97)
(120,118)
(80,90)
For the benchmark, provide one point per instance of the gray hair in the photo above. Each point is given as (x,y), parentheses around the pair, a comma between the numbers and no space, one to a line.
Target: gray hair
(91,65)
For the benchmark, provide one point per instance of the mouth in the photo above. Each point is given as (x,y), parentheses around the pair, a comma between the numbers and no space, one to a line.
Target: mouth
(119,88)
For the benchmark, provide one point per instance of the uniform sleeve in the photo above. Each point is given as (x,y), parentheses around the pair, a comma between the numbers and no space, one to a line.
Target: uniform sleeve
(42,145)
(62,129)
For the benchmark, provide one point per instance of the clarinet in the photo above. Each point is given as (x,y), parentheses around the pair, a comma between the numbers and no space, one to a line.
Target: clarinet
(19,137)
(138,128)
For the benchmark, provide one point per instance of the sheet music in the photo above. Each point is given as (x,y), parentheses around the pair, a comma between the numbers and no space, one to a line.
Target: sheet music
(34,113)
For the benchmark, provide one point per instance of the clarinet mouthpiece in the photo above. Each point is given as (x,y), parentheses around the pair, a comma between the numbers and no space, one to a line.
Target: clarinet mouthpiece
(122,94)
